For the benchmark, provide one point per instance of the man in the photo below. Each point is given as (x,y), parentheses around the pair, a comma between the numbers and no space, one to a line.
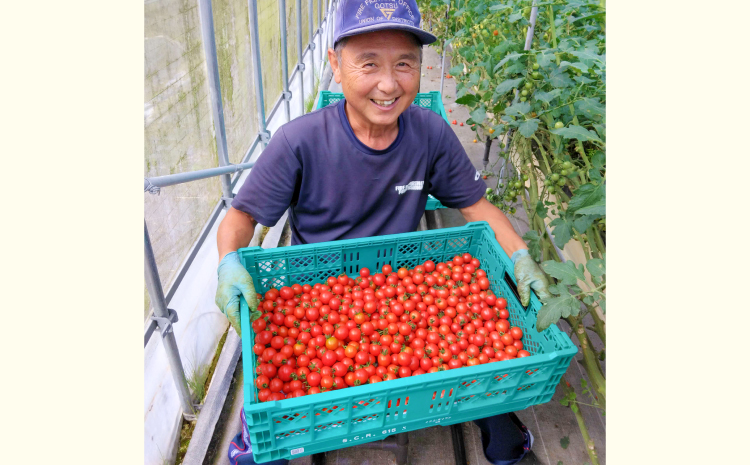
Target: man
(364,167)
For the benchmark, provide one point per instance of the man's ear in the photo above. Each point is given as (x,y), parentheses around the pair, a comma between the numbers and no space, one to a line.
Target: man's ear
(334,60)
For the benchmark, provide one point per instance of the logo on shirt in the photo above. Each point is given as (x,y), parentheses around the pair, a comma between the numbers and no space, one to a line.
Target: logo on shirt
(476,176)
(387,12)
(412,186)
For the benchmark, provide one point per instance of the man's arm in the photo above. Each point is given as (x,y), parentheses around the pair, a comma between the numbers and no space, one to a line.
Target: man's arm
(235,231)
(504,232)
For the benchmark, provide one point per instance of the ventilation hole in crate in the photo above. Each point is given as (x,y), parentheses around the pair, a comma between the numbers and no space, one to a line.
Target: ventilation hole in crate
(404,413)
(329,258)
(457,243)
(407,401)
(398,401)
(434,394)
(450,393)
(390,252)
(463,399)
(365,419)
(532,372)
(295,432)
(504,377)
(335,424)
(329,410)
(432,246)
(496,393)
(431,405)
(442,394)
(466,384)
(395,414)
(389,404)
(365,402)
(300,262)
(526,387)
(408,249)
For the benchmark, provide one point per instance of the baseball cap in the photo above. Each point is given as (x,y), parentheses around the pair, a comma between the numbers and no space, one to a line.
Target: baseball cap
(361,16)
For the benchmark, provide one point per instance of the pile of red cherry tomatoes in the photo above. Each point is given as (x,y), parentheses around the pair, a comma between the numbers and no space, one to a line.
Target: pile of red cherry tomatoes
(348,332)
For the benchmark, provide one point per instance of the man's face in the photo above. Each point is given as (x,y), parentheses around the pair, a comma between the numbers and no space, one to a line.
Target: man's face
(379,73)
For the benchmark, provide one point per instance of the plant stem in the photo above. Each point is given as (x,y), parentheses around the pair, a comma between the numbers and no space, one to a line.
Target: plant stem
(567,389)
(599,327)
(590,361)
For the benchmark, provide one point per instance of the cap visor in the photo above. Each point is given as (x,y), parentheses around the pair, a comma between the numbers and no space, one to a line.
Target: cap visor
(423,36)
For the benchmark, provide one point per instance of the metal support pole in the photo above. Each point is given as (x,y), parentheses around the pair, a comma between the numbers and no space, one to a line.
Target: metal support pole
(442,67)
(300,63)
(532,24)
(286,95)
(312,44)
(320,28)
(252,11)
(164,319)
(214,87)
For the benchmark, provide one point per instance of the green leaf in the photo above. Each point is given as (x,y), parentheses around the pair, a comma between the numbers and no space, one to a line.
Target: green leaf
(582,223)
(518,108)
(478,115)
(598,208)
(515,68)
(598,160)
(528,128)
(558,289)
(507,85)
(468,99)
(474,78)
(596,267)
(499,7)
(600,129)
(535,248)
(564,442)
(547,97)
(588,58)
(583,80)
(456,70)
(544,59)
(588,300)
(559,78)
(508,57)
(602,304)
(562,232)
(566,273)
(514,17)
(576,132)
(590,107)
(461,92)
(541,210)
(556,308)
(585,195)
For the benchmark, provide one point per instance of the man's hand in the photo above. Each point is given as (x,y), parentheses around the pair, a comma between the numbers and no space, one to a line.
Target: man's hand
(234,280)
(529,276)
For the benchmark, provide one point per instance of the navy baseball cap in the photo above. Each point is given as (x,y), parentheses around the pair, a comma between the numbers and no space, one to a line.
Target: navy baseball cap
(361,16)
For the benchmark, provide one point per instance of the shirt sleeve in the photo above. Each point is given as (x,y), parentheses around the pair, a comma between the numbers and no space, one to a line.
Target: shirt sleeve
(453,179)
(272,184)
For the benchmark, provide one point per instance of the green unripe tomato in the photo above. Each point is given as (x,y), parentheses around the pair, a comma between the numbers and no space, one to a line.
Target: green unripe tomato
(523,99)
(555,177)
(547,182)
(488,191)
(551,189)
(559,125)
(535,66)
(525,177)
(513,210)
(528,85)
(563,172)
(567,165)
(535,74)
(517,184)
(524,92)
(561,182)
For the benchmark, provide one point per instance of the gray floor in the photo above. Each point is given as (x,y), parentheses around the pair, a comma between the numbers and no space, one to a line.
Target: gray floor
(549,423)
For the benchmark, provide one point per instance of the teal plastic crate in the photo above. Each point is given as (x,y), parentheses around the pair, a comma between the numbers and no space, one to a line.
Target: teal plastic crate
(429,100)
(332,420)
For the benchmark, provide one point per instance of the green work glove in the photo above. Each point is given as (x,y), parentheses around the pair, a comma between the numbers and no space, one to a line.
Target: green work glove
(529,276)
(234,280)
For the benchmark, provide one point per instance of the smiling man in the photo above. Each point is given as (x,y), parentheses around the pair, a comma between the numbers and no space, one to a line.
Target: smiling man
(365,166)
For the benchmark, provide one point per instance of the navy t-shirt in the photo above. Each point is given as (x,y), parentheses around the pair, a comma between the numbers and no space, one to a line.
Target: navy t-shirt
(338,188)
